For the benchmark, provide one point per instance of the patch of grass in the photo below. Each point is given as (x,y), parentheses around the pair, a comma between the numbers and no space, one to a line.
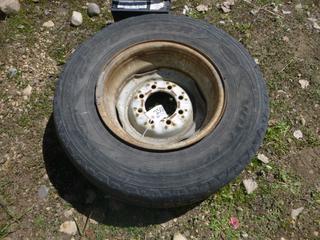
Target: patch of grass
(276,137)
(223,206)
(243,27)
(193,13)
(59,54)
(18,26)
(4,230)
(269,2)
(40,222)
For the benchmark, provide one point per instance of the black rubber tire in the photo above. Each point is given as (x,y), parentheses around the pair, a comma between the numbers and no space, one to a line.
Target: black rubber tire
(161,179)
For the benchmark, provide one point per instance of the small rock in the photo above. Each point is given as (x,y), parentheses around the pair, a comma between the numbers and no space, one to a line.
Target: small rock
(27,92)
(43,192)
(276,9)
(263,158)
(222,22)
(255,11)
(202,8)
(224,9)
(257,61)
(68,227)
(92,221)
(10,7)
(316,26)
(298,134)
(244,235)
(48,24)
(185,10)
(179,236)
(226,6)
(295,212)
(93,10)
(316,233)
(285,39)
(68,213)
(76,18)
(12,72)
(304,83)
(314,23)
(109,22)
(250,185)
(286,12)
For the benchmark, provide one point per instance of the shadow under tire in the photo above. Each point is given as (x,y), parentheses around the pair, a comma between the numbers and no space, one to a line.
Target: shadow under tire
(154,178)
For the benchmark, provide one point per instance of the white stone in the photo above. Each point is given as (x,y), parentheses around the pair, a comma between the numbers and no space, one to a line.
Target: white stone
(286,12)
(48,24)
(263,158)
(202,8)
(76,19)
(185,10)
(68,227)
(250,185)
(314,23)
(304,83)
(255,11)
(298,134)
(296,212)
(285,39)
(179,236)
(9,7)
(27,92)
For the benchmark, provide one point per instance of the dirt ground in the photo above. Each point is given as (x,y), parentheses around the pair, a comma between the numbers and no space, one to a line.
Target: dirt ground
(40,189)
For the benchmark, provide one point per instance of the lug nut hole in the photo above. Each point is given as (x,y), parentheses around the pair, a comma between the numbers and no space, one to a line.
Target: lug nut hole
(180,111)
(168,122)
(140,110)
(180,97)
(141,96)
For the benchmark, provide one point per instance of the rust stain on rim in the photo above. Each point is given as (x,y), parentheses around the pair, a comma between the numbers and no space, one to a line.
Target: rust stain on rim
(153,55)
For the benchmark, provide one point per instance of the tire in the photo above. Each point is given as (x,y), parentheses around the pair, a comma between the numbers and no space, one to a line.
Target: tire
(156,178)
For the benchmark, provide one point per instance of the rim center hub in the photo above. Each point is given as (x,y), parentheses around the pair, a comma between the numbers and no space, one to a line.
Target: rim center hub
(161,109)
